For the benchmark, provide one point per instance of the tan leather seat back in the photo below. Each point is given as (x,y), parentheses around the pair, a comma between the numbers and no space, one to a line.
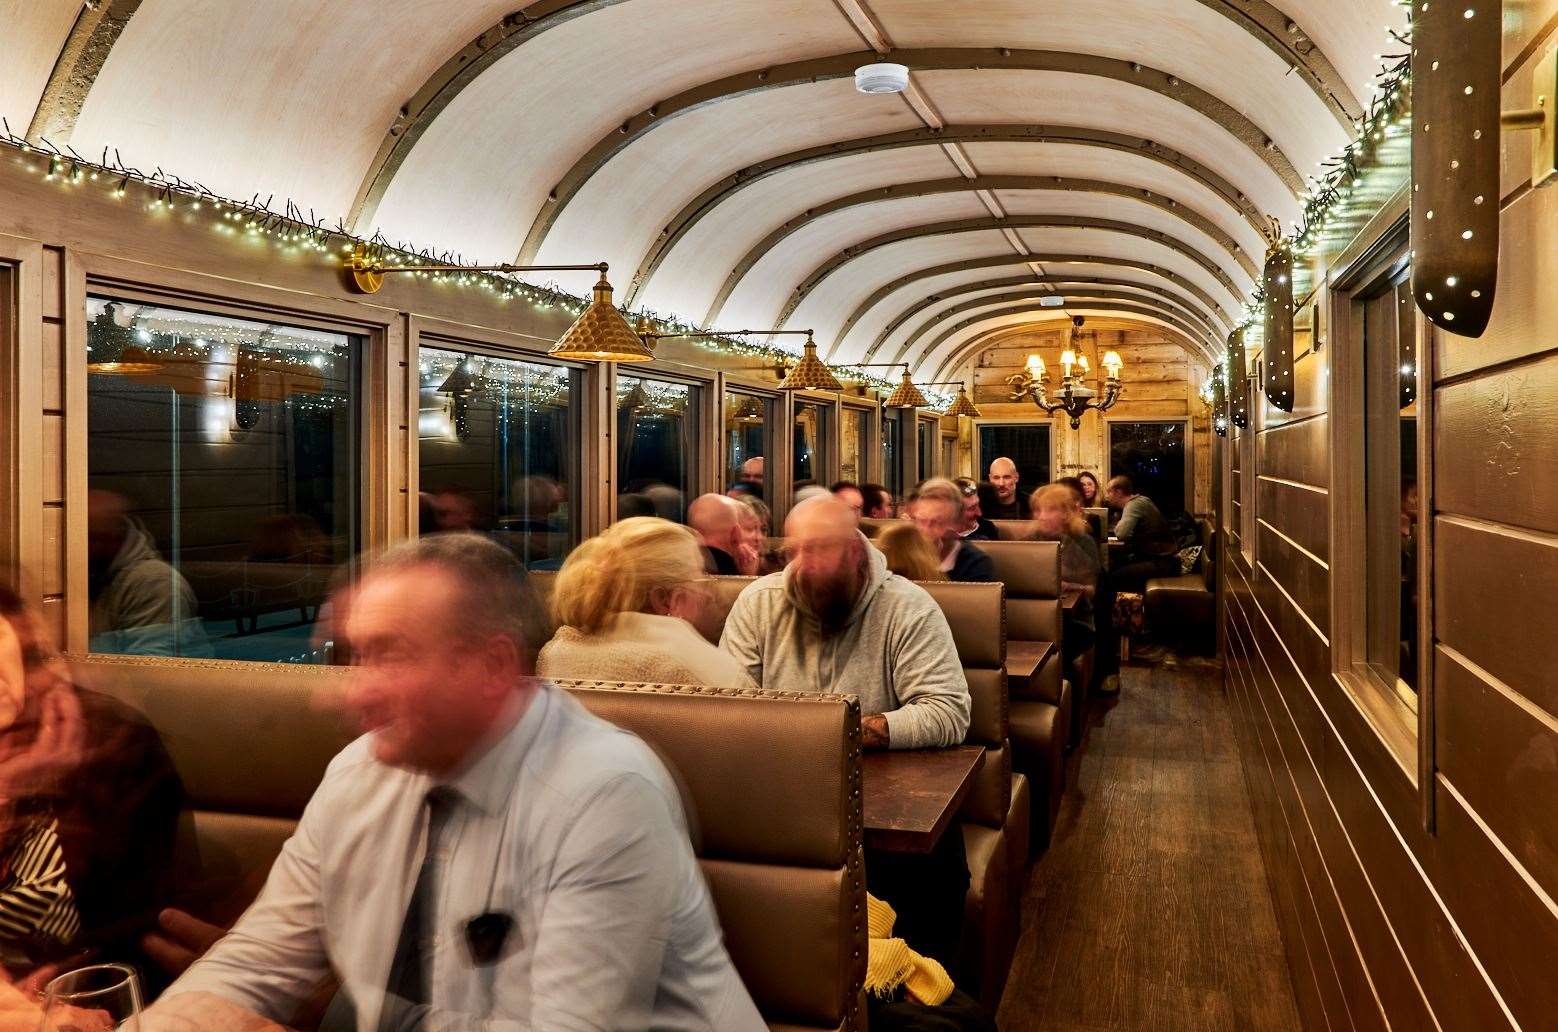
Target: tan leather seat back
(1012,530)
(250,742)
(976,613)
(1031,572)
(773,781)
(872,527)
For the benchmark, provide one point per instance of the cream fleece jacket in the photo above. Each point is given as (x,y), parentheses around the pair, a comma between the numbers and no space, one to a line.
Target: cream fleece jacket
(896,654)
(640,647)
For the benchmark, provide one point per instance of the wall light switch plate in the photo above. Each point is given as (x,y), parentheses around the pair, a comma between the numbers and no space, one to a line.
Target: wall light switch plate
(1544,93)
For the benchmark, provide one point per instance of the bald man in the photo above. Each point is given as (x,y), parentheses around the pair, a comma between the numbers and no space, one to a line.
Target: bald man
(1007,503)
(729,532)
(836,621)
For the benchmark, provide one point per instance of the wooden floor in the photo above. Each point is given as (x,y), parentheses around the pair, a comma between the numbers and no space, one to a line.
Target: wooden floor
(1150,910)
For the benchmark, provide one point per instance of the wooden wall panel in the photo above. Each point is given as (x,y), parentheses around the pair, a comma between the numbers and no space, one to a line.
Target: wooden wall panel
(1305,580)
(51,578)
(1494,603)
(53,365)
(1297,451)
(1301,513)
(1496,432)
(1309,389)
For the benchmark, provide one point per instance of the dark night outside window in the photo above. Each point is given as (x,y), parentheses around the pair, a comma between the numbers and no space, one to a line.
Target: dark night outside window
(1026,444)
(1153,456)
(657,424)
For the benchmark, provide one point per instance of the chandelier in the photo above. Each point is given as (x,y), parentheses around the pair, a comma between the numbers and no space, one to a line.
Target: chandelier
(1076,395)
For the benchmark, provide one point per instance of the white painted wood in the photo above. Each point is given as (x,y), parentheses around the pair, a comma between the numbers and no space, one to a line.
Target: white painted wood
(33,32)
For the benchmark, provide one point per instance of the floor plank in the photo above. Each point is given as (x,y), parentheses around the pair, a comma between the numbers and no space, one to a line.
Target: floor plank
(1151,909)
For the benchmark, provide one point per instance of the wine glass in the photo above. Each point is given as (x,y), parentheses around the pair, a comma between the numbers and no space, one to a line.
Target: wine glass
(99,998)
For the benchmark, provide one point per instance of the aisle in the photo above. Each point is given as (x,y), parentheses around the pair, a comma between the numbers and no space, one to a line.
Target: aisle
(1150,911)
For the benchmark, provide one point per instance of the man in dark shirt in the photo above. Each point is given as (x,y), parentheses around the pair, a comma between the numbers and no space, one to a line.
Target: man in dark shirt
(1006,502)
(1148,539)
(937,511)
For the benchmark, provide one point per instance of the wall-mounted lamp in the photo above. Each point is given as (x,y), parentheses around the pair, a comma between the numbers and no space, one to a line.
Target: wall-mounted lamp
(1278,346)
(809,373)
(905,395)
(600,334)
(962,405)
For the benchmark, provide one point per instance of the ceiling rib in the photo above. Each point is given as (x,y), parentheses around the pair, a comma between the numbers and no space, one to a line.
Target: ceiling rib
(1195,324)
(843,65)
(848,254)
(983,186)
(974,346)
(1049,285)
(97,28)
(445,84)
(711,198)
(998,261)
(1287,39)
(1102,305)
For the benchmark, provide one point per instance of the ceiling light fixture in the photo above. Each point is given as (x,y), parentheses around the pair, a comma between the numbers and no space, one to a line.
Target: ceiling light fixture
(881,78)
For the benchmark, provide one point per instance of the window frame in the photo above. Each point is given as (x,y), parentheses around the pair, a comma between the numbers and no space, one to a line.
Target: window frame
(869,461)
(948,454)
(928,423)
(707,419)
(382,405)
(773,406)
(1401,724)
(982,462)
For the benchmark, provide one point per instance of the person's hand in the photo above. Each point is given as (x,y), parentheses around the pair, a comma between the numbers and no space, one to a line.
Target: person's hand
(873,731)
(748,559)
(22,1011)
(181,939)
(30,768)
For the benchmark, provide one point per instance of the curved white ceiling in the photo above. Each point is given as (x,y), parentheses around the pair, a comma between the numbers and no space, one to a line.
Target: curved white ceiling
(297,99)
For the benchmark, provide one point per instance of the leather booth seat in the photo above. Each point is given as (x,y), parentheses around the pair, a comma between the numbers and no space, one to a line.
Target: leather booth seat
(771,780)
(1182,609)
(1043,709)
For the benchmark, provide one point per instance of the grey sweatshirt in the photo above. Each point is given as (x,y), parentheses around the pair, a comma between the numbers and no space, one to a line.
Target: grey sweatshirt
(896,654)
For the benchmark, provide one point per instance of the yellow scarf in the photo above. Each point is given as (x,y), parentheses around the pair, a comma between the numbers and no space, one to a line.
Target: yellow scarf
(890,962)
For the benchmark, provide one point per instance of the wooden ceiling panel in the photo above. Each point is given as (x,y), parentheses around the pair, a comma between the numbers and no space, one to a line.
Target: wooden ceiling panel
(1063,98)
(286,97)
(619,212)
(34,32)
(830,304)
(770,281)
(1187,39)
(1352,33)
(1125,209)
(1106,244)
(1064,159)
(936,366)
(482,169)
(688,279)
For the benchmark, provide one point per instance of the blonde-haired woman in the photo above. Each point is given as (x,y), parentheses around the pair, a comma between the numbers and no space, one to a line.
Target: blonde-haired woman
(627,603)
(908,553)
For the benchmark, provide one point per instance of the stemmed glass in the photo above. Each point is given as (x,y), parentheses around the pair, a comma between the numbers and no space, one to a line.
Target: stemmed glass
(99,998)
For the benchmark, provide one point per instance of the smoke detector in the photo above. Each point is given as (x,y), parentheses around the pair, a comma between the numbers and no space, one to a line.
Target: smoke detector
(1051,301)
(881,78)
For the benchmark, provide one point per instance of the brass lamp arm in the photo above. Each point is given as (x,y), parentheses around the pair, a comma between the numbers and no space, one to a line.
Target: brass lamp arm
(367,274)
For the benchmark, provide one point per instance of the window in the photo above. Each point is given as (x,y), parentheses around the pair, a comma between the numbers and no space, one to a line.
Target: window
(1392,507)
(657,423)
(1248,480)
(1152,454)
(856,441)
(222,463)
(1026,444)
(748,427)
(927,448)
(498,451)
(892,469)
(811,444)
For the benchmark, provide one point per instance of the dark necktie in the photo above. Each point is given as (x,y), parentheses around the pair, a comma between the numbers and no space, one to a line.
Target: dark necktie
(406,993)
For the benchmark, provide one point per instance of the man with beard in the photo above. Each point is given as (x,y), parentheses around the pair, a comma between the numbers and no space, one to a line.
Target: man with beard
(836,621)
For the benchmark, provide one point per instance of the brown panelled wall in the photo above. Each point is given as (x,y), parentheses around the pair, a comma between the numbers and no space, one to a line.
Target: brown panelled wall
(1405,908)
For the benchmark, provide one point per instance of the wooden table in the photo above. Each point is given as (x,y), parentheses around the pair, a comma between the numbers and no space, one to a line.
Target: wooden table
(1024,659)
(911,796)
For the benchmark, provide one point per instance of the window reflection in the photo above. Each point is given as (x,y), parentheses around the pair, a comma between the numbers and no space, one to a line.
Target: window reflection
(1393,504)
(892,472)
(498,451)
(1152,454)
(748,424)
(656,439)
(221,462)
(856,443)
(927,448)
(811,434)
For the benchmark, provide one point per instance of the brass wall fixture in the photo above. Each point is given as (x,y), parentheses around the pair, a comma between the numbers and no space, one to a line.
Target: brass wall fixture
(1278,347)
(962,405)
(1238,382)
(599,334)
(906,394)
(1219,402)
(1076,395)
(1457,66)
